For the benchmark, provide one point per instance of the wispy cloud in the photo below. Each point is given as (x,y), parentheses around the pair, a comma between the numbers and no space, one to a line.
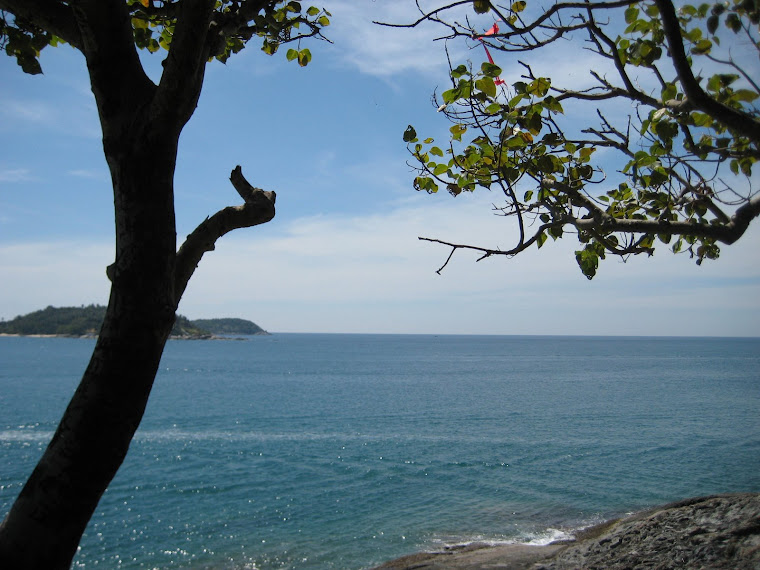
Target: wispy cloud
(16,175)
(370,273)
(89,174)
(61,273)
(33,111)
(384,51)
(75,115)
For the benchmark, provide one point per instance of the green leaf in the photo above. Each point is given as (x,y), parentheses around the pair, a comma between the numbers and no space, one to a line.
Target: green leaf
(323,21)
(435,151)
(29,65)
(588,261)
(457,131)
(631,14)
(745,95)
(487,86)
(712,23)
(304,57)
(516,142)
(269,48)
(669,92)
(733,23)
(721,80)
(292,54)
(552,104)
(450,95)
(410,135)
(459,71)
(312,11)
(440,169)
(490,70)
(539,86)
(426,184)
(586,152)
(702,47)
(481,6)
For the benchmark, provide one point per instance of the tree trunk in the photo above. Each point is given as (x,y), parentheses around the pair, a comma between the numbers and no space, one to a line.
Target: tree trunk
(141,125)
(45,524)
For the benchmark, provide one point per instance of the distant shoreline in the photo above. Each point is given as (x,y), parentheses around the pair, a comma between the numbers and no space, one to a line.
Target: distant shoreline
(40,335)
(86,322)
(172,337)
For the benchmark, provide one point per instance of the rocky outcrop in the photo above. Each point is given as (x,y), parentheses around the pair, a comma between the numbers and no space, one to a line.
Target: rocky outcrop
(717,532)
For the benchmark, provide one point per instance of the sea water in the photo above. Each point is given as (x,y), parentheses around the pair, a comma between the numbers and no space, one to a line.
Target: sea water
(344,451)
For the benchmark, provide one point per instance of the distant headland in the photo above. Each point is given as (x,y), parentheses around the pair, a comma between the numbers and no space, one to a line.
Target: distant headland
(85,321)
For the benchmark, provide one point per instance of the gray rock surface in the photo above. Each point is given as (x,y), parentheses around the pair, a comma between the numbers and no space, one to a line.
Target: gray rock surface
(717,532)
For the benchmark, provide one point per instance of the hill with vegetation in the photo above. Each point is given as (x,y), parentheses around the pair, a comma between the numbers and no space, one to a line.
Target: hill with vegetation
(86,321)
(229,326)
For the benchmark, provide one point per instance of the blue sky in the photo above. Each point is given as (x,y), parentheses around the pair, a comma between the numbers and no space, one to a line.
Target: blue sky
(342,254)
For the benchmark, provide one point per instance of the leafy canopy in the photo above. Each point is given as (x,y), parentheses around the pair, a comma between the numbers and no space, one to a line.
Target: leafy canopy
(153,23)
(677,170)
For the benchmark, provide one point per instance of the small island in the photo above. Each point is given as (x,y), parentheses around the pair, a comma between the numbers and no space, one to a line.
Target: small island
(85,321)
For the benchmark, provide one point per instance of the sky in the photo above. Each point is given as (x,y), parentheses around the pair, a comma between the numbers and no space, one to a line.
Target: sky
(342,254)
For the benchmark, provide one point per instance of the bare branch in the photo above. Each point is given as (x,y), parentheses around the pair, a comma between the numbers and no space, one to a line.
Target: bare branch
(258,208)
(487,252)
(425,16)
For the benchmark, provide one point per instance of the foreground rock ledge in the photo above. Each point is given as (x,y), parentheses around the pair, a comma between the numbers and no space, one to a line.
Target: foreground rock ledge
(720,531)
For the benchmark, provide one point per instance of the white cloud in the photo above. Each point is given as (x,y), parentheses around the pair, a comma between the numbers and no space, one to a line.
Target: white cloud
(370,273)
(89,174)
(63,273)
(385,51)
(74,114)
(32,111)
(15,175)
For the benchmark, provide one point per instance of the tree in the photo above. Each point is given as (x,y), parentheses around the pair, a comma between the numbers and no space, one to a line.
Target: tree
(677,169)
(141,124)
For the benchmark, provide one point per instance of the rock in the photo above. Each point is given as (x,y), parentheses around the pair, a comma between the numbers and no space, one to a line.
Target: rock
(716,532)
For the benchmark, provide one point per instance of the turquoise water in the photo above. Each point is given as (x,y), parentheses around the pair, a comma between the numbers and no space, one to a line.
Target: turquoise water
(343,451)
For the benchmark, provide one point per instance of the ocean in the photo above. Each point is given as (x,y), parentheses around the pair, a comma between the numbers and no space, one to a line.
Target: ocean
(309,451)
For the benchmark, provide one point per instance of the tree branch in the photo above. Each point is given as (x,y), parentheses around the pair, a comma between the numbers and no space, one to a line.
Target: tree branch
(258,208)
(522,246)
(734,119)
(600,221)
(185,64)
(118,80)
(728,232)
(50,15)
